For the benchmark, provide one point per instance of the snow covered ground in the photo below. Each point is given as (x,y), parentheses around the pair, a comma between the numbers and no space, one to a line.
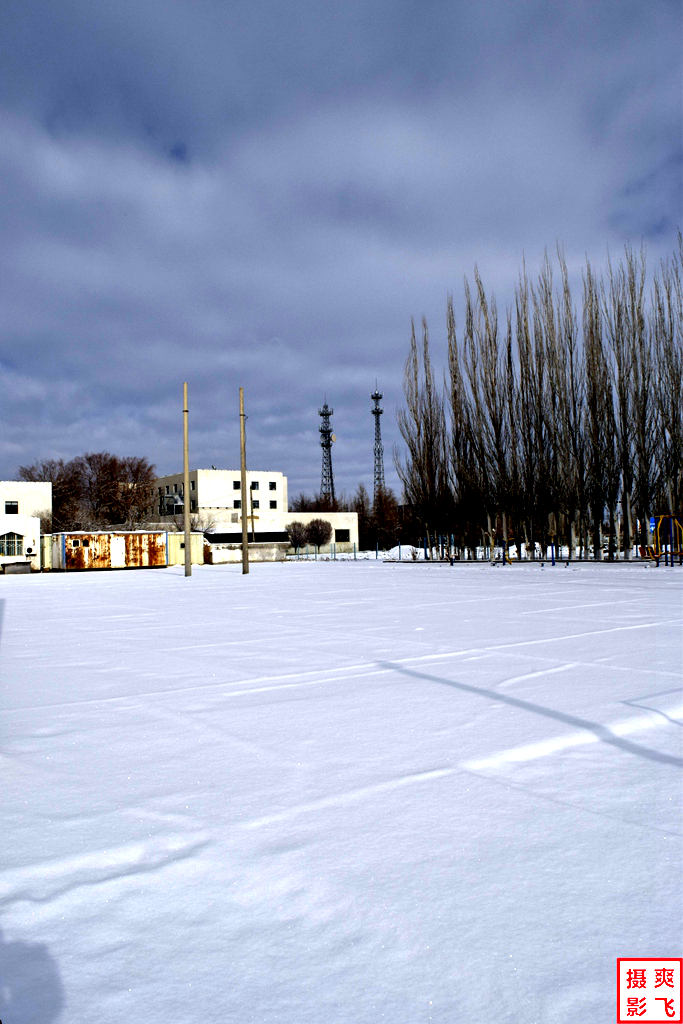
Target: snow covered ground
(338,793)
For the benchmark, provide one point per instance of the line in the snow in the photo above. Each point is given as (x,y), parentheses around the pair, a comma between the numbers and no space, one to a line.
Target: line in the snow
(343,671)
(350,796)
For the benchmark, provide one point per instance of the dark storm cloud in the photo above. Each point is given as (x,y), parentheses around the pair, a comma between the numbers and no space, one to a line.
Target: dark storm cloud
(262,194)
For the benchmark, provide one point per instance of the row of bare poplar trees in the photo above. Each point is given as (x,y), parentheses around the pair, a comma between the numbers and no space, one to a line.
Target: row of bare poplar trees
(554,424)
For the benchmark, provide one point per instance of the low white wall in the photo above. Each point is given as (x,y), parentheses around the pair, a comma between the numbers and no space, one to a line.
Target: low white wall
(337,520)
(220,554)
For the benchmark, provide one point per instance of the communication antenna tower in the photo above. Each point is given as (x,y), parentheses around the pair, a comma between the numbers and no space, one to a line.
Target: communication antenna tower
(327,439)
(376,397)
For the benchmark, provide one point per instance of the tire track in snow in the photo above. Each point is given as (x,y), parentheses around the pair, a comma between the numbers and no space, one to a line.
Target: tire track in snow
(350,796)
(324,675)
(538,674)
(44,882)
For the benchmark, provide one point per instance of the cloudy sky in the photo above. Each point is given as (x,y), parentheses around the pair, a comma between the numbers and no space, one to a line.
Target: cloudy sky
(247,192)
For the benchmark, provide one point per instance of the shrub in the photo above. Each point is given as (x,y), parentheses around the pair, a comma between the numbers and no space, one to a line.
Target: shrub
(318,532)
(297,534)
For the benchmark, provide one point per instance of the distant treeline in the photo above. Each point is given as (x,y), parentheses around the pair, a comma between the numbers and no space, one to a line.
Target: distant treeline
(554,421)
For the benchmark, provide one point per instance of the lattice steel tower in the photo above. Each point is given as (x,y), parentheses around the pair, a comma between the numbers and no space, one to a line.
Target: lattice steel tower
(376,396)
(327,439)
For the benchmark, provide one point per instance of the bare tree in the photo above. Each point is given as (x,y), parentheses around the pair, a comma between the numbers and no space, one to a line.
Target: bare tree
(66,489)
(602,467)
(568,381)
(360,504)
(462,444)
(318,532)
(297,534)
(96,490)
(303,503)
(666,327)
(614,317)
(533,457)
(135,491)
(643,423)
(384,523)
(553,424)
(422,424)
(486,370)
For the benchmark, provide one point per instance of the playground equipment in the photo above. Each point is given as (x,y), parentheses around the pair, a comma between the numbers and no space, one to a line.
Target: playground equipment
(667,540)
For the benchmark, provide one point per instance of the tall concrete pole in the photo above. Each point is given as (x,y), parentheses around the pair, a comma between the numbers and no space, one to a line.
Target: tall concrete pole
(186,487)
(245,493)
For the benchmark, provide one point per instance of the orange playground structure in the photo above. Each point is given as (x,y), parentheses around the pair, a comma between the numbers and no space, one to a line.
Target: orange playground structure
(667,541)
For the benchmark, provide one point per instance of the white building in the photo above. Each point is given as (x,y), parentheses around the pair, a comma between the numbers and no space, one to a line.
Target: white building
(216,498)
(22,503)
(26,498)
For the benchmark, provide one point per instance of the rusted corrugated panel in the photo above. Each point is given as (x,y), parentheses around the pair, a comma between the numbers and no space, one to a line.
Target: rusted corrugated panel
(145,549)
(100,551)
(75,554)
(88,551)
(134,550)
(156,549)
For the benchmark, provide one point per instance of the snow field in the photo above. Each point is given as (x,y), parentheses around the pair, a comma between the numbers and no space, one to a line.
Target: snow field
(338,792)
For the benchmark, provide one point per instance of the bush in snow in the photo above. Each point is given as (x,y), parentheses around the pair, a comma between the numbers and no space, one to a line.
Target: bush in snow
(318,532)
(297,534)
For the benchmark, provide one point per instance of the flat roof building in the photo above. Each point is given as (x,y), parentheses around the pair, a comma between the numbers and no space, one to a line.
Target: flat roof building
(216,502)
(216,497)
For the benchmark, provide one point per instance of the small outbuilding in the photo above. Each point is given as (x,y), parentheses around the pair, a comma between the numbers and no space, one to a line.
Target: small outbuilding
(122,549)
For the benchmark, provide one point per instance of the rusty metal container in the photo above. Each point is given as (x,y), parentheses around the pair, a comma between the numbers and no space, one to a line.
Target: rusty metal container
(116,550)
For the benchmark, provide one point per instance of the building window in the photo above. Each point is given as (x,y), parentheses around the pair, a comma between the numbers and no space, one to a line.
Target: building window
(272,486)
(193,504)
(192,483)
(342,535)
(161,490)
(11,508)
(237,503)
(167,489)
(255,504)
(235,485)
(75,543)
(11,544)
(273,504)
(254,485)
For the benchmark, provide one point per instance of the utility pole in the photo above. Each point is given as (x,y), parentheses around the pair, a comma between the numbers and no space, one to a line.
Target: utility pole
(245,493)
(186,487)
